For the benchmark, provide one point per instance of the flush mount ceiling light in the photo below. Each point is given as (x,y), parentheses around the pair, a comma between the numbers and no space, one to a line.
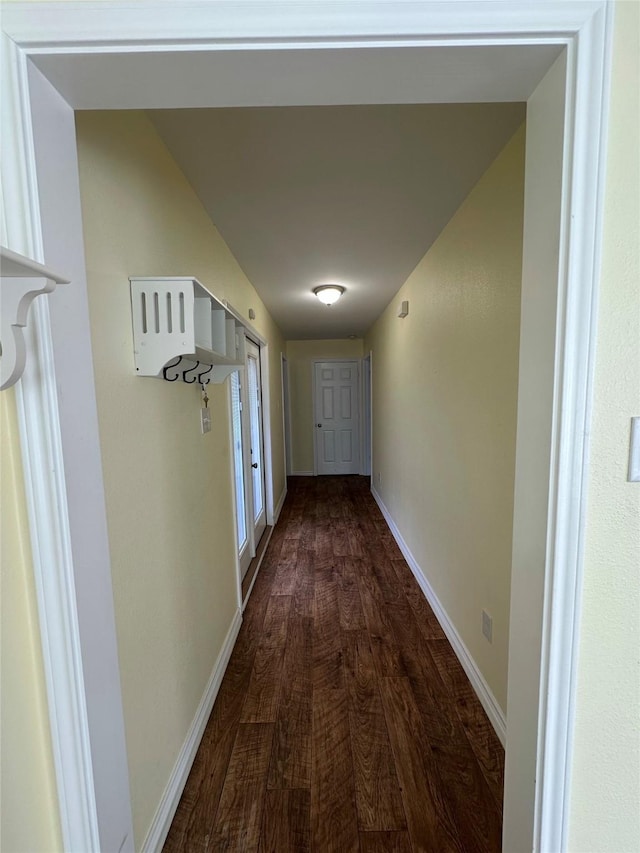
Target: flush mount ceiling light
(328,293)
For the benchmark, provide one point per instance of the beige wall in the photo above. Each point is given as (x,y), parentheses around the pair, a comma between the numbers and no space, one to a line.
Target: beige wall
(444,409)
(605,802)
(168,488)
(300,355)
(29,818)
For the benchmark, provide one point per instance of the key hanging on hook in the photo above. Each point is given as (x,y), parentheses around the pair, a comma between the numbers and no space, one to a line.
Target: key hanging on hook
(204,373)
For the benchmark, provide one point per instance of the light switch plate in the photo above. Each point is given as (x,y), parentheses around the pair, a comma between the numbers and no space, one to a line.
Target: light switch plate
(634,452)
(205,420)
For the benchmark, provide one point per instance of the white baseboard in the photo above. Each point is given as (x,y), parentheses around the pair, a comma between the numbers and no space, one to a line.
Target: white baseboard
(279,505)
(161,822)
(302,474)
(489,702)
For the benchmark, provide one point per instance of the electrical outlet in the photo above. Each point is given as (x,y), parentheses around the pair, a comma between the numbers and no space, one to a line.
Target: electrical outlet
(487,626)
(205,419)
(379,477)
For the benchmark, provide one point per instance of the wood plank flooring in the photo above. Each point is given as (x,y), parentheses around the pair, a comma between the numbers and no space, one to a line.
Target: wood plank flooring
(344,721)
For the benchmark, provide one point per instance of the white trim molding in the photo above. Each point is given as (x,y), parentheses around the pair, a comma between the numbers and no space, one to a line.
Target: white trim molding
(56,589)
(588,84)
(45,484)
(483,691)
(63,479)
(279,23)
(161,822)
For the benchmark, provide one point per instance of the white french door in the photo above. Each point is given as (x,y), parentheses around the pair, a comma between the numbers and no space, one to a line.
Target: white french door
(242,527)
(248,455)
(254,433)
(336,417)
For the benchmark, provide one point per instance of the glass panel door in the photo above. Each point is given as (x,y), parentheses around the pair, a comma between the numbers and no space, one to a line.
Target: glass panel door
(256,442)
(244,550)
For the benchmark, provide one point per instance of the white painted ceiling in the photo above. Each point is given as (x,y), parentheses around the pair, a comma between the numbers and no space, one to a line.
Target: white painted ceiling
(304,187)
(348,194)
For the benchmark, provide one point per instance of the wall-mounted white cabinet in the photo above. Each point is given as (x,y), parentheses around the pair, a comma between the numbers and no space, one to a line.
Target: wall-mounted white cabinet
(182,331)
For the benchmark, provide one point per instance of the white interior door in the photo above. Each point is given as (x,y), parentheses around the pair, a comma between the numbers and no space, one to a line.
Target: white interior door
(248,456)
(336,417)
(254,432)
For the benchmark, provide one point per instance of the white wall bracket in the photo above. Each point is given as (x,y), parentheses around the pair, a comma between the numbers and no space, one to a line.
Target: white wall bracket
(21,280)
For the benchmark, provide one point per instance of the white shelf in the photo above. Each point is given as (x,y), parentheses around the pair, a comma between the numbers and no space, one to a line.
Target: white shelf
(21,280)
(180,330)
(13,265)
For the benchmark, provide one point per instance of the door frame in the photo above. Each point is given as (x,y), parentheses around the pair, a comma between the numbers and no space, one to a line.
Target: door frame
(83,740)
(286,414)
(315,361)
(248,542)
(366,414)
(247,443)
(252,335)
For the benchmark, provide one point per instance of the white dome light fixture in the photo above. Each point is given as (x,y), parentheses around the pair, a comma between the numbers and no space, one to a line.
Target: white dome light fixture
(329,293)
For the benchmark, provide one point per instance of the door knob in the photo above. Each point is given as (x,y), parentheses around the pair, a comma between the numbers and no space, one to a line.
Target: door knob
(318,425)
(254,464)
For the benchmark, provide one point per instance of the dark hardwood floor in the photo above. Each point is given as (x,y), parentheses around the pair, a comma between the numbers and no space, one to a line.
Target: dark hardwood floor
(344,721)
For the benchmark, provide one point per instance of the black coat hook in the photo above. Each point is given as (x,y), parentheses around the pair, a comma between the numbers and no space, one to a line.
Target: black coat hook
(190,370)
(169,367)
(205,373)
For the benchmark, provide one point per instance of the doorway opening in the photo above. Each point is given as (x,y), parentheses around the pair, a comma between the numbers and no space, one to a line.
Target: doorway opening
(247,428)
(68,347)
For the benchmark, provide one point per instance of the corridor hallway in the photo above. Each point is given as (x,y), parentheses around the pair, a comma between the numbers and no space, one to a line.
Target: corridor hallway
(344,721)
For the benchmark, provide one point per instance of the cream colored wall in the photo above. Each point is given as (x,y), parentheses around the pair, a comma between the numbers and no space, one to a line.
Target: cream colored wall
(29,817)
(168,488)
(605,801)
(300,355)
(444,409)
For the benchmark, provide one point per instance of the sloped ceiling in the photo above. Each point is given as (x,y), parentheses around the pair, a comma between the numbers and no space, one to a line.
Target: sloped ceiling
(349,194)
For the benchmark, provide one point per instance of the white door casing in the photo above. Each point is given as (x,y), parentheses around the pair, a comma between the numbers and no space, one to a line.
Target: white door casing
(71,33)
(254,431)
(336,417)
(247,390)
(286,415)
(366,411)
